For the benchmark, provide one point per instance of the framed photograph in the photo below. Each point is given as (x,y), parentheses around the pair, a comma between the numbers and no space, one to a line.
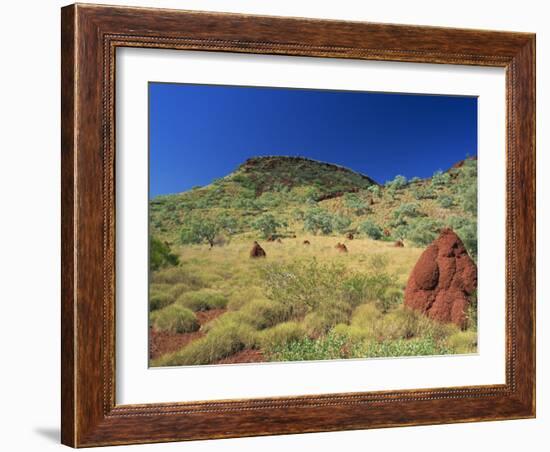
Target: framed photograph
(281,225)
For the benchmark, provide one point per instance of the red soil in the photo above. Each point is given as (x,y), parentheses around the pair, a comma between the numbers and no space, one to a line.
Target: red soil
(161,343)
(244,356)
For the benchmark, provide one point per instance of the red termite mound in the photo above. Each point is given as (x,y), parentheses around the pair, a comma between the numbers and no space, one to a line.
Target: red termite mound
(442,281)
(257,250)
(341,247)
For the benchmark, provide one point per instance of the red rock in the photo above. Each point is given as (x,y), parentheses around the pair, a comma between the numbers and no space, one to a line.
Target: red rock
(442,281)
(399,244)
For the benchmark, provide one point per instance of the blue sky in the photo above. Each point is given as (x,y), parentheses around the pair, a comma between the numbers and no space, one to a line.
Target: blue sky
(198,133)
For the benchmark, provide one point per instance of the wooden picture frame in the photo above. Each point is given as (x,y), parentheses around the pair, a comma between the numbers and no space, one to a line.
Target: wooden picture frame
(90,36)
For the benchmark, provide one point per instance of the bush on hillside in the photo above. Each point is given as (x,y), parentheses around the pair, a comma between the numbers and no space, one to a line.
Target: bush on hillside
(422,231)
(317,220)
(371,230)
(375,190)
(397,182)
(445,201)
(160,255)
(440,179)
(423,193)
(357,204)
(267,224)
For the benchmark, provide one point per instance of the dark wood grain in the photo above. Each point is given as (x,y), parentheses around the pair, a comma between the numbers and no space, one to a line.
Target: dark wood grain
(90,36)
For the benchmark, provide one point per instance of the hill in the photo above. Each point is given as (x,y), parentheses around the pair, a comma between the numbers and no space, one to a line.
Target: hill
(285,196)
(278,172)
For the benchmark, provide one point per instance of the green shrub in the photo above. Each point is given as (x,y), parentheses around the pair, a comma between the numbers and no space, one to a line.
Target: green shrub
(332,346)
(440,178)
(202,300)
(175,319)
(407,210)
(317,220)
(267,224)
(424,346)
(303,285)
(423,231)
(423,193)
(355,289)
(160,255)
(445,201)
(397,182)
(375,190)
(377,285)
(389,298)
(354,202)
(340,223)
(371,230)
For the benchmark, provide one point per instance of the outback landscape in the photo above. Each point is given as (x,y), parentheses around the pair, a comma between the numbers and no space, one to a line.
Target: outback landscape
(290,259)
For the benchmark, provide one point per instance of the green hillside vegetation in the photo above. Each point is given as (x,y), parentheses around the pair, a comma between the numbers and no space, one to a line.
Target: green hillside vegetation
(305,302)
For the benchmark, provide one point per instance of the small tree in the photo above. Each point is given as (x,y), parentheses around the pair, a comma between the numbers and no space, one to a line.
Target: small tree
(408,210)
(375,190)
(160,254)
(397,182)
(341,223)
(445,201)
(228,223)
(200,230)
(317,219)
(423,231)
(355,203)
(371,229)
(267,224)
(440,178)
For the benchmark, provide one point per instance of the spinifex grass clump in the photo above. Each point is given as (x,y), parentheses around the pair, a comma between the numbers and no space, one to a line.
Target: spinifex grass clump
(227,337)
(202,300)
(175,319)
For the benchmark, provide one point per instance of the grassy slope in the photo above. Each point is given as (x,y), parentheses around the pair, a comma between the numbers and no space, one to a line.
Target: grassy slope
(285,187)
